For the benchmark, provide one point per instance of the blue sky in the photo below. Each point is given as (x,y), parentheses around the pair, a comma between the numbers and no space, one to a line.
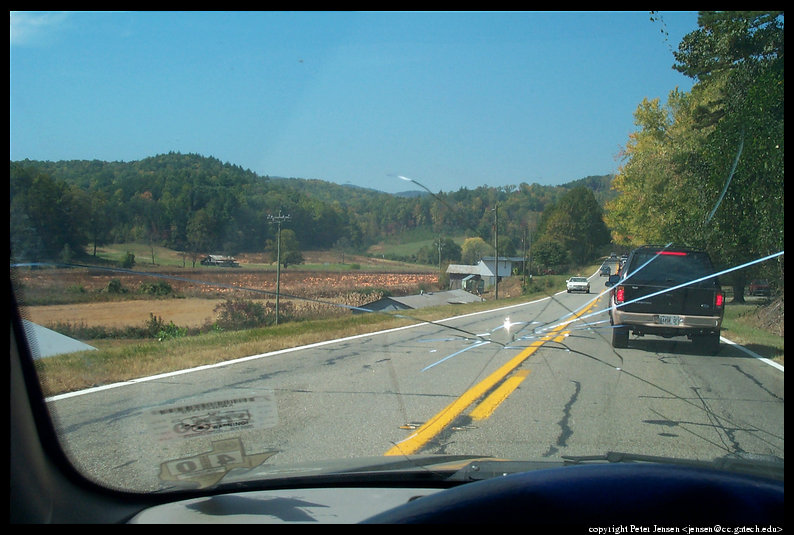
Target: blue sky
(449,99)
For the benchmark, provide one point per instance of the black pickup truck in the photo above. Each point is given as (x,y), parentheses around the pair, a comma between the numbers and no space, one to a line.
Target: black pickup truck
(667,292)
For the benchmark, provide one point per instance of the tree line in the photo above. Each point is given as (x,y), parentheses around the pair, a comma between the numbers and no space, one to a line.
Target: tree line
(705,168)
(200,205)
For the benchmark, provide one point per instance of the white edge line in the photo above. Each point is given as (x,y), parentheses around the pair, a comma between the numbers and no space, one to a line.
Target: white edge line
(753,354)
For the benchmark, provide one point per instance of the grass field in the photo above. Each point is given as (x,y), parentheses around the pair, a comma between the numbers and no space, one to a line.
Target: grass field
(161,257)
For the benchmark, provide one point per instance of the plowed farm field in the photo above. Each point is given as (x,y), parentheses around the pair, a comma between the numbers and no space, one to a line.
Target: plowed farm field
(198,292)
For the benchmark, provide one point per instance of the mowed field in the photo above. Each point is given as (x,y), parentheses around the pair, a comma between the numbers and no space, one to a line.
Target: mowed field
(190,312)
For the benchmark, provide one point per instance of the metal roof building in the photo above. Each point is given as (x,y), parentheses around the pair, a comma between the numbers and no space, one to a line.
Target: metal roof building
(429,299)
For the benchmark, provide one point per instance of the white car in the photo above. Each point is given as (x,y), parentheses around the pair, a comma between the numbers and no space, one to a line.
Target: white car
(578,284)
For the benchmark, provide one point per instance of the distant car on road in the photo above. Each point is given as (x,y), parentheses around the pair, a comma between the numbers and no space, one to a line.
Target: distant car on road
(759,287)
(605,271)
(578,284)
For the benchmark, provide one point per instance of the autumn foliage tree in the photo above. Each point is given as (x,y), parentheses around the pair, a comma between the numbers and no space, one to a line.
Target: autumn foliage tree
(706,168)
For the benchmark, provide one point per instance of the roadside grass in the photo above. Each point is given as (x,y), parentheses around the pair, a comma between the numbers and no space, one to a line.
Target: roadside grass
(116,361)
(741,325)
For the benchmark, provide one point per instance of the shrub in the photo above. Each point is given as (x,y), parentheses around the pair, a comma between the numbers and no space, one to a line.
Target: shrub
(128,261)
(234,314)
(171,331)
(76,288)
(540,284)
(157,328)
(114,287)
(156,288)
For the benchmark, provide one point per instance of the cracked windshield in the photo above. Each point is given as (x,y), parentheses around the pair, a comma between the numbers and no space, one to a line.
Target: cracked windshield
(249,246)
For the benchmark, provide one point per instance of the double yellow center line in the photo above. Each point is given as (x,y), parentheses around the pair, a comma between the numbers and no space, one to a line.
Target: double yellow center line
(440,421)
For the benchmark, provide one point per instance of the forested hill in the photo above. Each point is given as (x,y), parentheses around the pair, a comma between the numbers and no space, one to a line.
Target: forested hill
(349,194)
(195,203)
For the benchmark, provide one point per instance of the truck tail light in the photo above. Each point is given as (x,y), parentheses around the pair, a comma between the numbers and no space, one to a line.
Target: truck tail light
(620,294)
(719,300)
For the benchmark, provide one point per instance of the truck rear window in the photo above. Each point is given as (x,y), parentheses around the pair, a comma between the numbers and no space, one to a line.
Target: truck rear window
(675,267)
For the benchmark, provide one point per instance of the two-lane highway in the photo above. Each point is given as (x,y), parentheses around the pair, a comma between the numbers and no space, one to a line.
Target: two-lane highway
(532,381)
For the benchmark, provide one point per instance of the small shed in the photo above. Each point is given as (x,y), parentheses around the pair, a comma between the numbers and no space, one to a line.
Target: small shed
(219,260)
(462,276)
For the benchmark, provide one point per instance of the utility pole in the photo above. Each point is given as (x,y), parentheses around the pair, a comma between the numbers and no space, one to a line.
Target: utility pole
(524,258)
(531,226)
(530,255)
(496,248)
(278,220)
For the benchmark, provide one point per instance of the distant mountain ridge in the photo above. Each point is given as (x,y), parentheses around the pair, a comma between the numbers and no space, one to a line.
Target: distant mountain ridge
(71,170)
(599,184)
(190,202)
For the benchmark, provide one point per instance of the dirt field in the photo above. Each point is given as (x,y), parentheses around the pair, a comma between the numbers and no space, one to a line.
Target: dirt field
(193,312)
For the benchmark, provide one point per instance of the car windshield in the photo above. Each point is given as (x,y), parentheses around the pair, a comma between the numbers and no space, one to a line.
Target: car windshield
(250,245)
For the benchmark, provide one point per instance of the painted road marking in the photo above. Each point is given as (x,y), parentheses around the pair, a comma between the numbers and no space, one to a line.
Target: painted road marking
(489,404)
(440,421)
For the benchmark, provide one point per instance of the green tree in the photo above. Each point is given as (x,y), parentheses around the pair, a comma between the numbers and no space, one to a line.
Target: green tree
(48,216)
(707,169)
(739,54)
(443,250)
(290,248)
(576,222)
(473,249)
(200,234)
(548,254)
(450,251)
(661,181)
(99,220)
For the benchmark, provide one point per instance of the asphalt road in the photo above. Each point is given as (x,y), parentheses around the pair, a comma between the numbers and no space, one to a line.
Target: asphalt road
(545,383)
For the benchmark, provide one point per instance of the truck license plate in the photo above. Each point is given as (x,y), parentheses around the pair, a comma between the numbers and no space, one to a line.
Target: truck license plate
(669,320)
